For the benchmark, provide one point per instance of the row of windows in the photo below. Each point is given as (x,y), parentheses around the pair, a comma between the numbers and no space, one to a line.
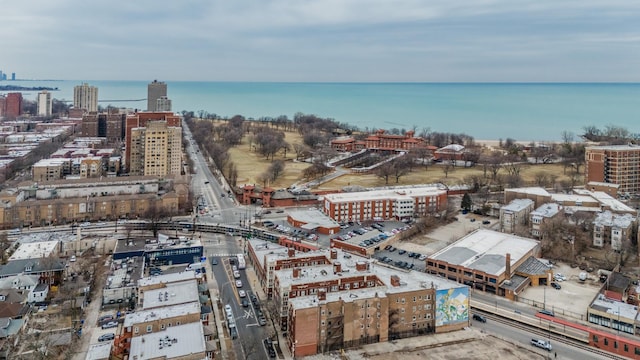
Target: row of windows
(136,330)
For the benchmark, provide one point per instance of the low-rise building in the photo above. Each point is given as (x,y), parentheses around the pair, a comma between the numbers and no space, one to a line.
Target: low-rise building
(171,294)
(495,262)
(402,202)
(36,250)
(542,215)
(121,286)
(183,342)
(515,214)
(614,229)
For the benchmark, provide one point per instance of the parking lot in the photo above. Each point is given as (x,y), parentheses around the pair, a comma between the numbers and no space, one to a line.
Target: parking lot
(573,297)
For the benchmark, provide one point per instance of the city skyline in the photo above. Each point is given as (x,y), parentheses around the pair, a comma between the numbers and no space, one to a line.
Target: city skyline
(351,40)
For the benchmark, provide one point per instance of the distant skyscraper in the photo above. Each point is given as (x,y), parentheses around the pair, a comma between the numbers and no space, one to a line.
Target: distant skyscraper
(13,105)
(155,91)
(44,103)
(85,97)
(163,104)
(1,74)
(13,76)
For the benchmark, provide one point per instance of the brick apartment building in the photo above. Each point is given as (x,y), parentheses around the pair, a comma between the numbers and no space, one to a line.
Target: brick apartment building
(108,125)
(395,203)
(13,105)
(616,164)
(329,299)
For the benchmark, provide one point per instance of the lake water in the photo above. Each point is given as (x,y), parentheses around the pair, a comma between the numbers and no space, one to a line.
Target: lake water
(524,112)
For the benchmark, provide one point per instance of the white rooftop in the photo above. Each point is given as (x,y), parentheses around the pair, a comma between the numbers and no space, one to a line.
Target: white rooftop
(486,250)
(174,342)
(547,210)
(530,190)
(161,313)
(410,280)
(615,308)
(34,250)
(348,296)
(51,162)
(607,218)
(167,278)
(517,205)
(99,351)
(612,203)
(390,193)
(172,294)
(616,147)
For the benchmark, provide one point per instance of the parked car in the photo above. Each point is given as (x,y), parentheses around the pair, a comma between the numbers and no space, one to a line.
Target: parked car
(242,293)
(106,337)
(480,318)
(110,324)
(245,303)
(239,283)
(486,222)
(262,321)
(236,274)
(402,252)
(556,286)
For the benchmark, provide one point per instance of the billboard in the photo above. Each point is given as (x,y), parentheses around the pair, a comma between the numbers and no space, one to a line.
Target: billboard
(452,306)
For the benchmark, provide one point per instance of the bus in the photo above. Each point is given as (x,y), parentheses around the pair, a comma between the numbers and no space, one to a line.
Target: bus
(242,264)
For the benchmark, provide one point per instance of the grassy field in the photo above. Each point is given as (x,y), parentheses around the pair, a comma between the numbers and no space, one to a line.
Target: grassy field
(251,165)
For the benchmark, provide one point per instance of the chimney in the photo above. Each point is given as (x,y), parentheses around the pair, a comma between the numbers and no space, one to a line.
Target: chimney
(507,270)
(395,280)
(322,294)
(361,266)
(296,273)
(291,252)
(334,254)
(337,267)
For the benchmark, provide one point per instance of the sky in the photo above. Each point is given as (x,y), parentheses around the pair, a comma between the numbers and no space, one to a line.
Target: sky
(330,40)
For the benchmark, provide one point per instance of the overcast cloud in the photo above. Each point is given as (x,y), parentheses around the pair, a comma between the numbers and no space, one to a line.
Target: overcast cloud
(330,40)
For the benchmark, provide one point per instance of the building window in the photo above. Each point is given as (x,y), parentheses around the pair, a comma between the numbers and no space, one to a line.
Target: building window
(136,330)
(149,328)
(162,326)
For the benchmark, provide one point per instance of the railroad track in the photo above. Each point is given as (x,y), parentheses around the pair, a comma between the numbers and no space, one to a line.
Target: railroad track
(550,335)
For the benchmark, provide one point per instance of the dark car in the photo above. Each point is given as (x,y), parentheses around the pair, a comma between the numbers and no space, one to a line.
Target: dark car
(486,222)
(547,312)
(214,261)
(245,303)
(402,252)
(556,286)
(106,337)
(479,318)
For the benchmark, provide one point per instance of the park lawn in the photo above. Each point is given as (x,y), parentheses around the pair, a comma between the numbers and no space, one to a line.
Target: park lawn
(435,174)
(251,164)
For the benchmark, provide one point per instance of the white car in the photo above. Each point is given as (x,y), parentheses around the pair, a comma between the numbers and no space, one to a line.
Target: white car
(239,283)
(236,274)
(242,293)
(559,277)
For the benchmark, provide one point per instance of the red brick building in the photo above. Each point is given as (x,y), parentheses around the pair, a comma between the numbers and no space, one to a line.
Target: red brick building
(13,105)
(380,141)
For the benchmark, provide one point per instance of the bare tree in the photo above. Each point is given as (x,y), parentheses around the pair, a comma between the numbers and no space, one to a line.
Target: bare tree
(384,171)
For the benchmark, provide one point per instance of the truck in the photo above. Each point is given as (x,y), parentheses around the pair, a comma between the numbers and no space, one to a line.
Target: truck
(543,344)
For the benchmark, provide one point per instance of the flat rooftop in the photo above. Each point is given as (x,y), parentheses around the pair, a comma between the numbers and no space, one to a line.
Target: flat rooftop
(304,302)
(166,312)
(313,219)
(172,294)
(607,218)
(396,193)
(485,250)
(547,210)
(173,342)
(530,190)
(615,308)
(33,250)
(99,351)
(615,147)
(517,205)
(168,278)
(409,280)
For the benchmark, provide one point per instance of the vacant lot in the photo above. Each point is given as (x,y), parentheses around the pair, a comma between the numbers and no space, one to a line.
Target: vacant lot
(251,165)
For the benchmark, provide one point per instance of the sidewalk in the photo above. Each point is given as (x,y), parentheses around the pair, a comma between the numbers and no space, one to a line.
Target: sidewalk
(253,280)
(213,293)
